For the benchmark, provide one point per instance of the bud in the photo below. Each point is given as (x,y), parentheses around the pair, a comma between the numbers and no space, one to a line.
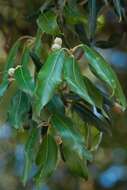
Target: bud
(58,41)
(11,72)
(55,47)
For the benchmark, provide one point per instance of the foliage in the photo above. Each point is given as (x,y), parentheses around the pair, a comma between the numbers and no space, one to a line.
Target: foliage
(51,91)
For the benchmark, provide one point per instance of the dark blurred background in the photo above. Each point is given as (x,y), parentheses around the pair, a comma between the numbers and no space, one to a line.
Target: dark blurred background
(109,169)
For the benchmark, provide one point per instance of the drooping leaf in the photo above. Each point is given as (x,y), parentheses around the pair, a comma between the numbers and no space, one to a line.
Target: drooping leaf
(48,80)
(91,118)
(22,74)
(94,93)
(75,164)
(47,22)
(24,80)
(103,70)
(56,105)
(92,18)
(47,159)
(71,138)
(9,63)
(5,102)
(96,137)
(73,146)
(37,61)
(30,152)
(18,110)
(74,79)
(38,43)
(35,53)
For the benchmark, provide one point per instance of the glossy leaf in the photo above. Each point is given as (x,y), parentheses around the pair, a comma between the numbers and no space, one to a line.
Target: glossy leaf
(92,118)
(104,71)
(22,74)
(18,110)
(56,104)
(30,152)
(47,22)
(94,93)
(74,79)
(73,146)
(48,80)
(24,80)
(70,136)
(47,159)
(38,43)
(11,59)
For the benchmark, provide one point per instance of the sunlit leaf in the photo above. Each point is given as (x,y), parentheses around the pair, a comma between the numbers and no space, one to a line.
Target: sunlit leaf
(48,80)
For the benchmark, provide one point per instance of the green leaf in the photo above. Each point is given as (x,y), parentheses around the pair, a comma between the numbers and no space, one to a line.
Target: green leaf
(47,22)
(103,70)
(47,159)
(96,137)
(73,147)
(91,118)
(71,138)
(22,74)
(48,80)
(30,151)
(18,110)
(38,43)
(73,15)
(56,104)
(24,80)
(5,102)
(9,63)
(75,164)
(74,79)
(94,93)
(92,18)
